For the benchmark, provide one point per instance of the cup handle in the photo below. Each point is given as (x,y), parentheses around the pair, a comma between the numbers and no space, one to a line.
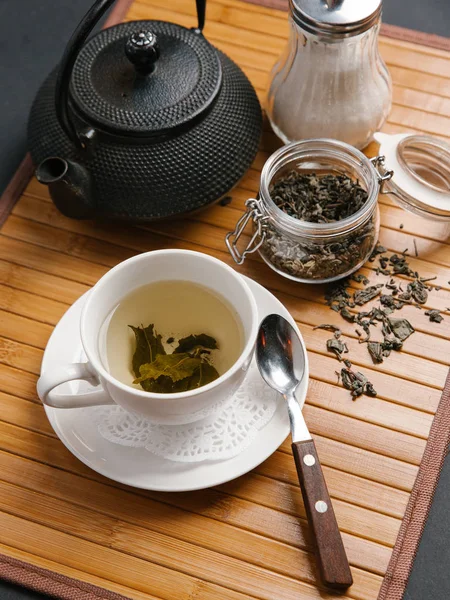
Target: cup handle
(51,379)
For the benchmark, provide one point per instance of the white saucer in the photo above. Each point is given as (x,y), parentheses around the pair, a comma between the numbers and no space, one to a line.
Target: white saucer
(136,466)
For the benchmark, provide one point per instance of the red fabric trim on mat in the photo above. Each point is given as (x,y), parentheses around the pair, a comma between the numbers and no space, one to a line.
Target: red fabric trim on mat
(54,585)
(413,524)
(392,31)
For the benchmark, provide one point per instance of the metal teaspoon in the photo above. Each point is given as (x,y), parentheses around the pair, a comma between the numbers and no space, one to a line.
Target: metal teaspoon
(281,362)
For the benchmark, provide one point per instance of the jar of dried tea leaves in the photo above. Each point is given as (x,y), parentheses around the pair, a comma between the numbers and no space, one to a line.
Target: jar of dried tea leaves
(316,217)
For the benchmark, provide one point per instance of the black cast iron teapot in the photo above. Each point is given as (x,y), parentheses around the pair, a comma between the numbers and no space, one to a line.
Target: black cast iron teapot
(145,120)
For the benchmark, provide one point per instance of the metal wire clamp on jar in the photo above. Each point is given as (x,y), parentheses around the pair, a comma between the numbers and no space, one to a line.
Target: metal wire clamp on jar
(313,252)
(331,80)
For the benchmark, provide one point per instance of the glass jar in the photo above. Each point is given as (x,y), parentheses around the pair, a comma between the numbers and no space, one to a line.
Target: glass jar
(331,80)
(313,252)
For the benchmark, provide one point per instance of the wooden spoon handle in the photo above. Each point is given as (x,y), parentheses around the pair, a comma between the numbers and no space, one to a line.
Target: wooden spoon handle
(332,560)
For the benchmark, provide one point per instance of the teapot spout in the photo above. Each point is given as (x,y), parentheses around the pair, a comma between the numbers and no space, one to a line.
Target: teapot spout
(70,186)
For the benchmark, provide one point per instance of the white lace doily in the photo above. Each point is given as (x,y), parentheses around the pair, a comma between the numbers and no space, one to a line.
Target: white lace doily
(218,437)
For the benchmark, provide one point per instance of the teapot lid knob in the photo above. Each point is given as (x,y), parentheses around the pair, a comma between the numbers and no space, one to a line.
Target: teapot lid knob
(142,50)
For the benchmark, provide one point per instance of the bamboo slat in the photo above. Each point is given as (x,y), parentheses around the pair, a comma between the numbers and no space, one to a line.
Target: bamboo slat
(247,538)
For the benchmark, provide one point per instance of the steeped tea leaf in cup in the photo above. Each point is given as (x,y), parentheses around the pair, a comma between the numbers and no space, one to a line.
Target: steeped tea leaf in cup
(187,368)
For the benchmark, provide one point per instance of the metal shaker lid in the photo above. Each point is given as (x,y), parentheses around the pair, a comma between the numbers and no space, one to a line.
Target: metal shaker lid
(340,18)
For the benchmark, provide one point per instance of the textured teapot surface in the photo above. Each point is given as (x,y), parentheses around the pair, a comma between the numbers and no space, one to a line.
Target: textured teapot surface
(165,123)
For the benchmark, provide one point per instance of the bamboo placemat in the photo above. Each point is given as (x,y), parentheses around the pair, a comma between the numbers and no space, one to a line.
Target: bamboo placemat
(247,538)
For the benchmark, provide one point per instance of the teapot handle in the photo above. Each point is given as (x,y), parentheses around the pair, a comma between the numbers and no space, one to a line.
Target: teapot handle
(69,57)
(201,10)
(74,46)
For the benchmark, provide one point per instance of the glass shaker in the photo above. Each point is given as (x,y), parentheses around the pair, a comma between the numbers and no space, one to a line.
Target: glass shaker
(331,81)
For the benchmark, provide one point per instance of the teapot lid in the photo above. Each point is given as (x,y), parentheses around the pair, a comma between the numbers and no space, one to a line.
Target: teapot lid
(145,77)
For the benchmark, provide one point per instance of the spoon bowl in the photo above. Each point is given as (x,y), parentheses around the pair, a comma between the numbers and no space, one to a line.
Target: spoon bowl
(280,355)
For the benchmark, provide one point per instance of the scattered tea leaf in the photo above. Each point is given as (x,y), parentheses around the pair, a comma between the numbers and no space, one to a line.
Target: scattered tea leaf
(418,291)
(394,330)
(328,327)
(347,315)
(363,296)
(434,315)
(357,383)
(400,265)
(401,328)
(360,278)
(337,347)
(376,352)
(379,249)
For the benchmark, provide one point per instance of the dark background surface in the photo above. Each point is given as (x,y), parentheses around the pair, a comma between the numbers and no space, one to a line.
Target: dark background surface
(33,34)
(32,37)
(12,592)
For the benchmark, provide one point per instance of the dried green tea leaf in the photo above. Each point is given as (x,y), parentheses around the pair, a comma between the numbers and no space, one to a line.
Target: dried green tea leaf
(379,249)
(347,379)
(400,265)
(191,342)
(434,315)
(370,390)
(391,343)
(376,352)
(148,345)
(328,327)
(318,198)
(357,383)
(337,347)
(401,328)
(175,366)
(347,315)
(360,278)
(418,291)
(363,296)
(387,300)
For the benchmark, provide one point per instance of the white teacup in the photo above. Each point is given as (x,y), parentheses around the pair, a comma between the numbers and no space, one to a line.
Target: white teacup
(184,407)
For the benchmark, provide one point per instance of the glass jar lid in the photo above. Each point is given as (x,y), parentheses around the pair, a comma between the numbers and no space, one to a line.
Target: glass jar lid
(340,18)
(421,180)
